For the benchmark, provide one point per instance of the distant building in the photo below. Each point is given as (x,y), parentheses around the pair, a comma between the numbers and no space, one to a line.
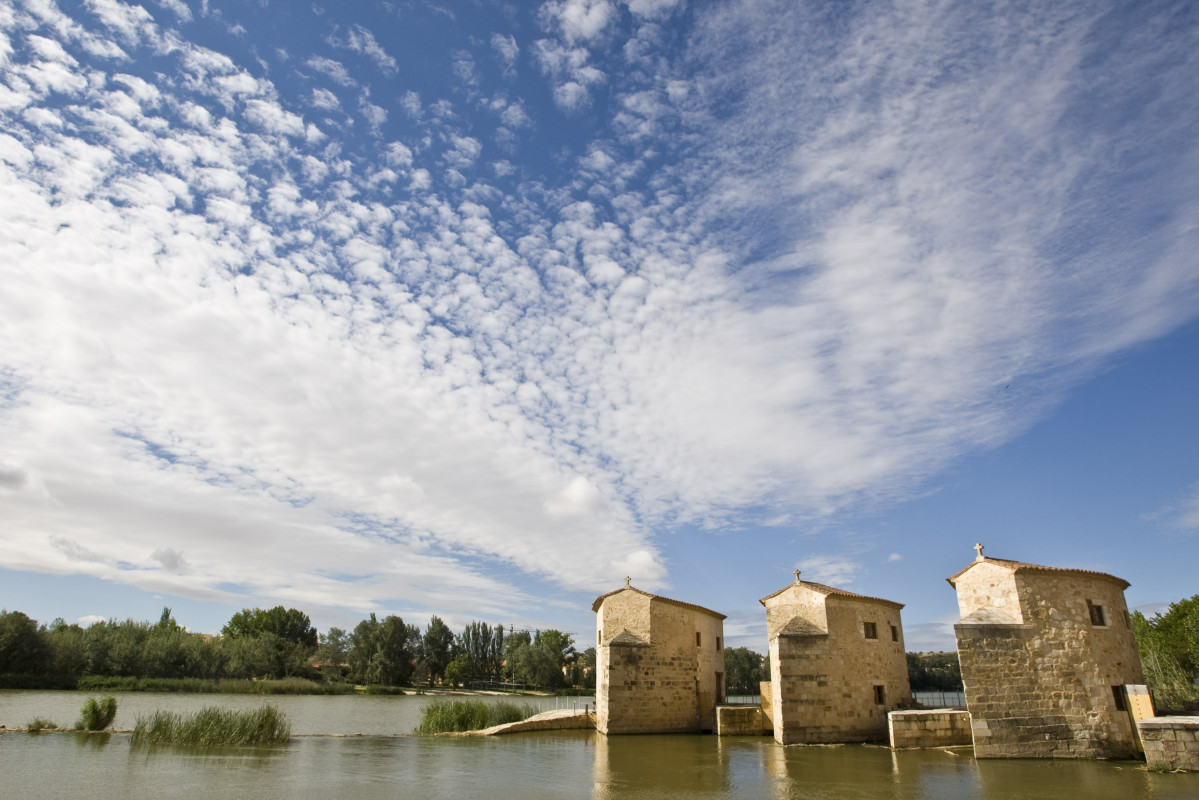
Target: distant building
(1046,654)
(659,664)
(837,664)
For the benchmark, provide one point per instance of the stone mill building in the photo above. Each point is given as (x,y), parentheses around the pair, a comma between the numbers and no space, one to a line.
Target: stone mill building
(837,664)
(1046,654)
(659,664)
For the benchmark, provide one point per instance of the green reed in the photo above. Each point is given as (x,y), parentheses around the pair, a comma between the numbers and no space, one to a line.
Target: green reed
(213,726)
(96,715)
(445,716)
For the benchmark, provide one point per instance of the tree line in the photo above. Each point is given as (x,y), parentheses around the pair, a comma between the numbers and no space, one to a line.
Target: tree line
(282,643)
(1169,647)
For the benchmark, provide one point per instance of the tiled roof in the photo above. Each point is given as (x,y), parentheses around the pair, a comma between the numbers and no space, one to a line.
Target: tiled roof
(1021,566)
(827,590)
(600,600)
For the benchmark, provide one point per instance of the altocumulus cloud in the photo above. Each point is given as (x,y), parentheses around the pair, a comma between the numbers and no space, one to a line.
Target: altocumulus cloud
(798,267)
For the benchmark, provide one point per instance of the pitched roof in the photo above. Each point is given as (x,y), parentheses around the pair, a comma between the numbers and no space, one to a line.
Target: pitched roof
(600,601)
(626,637)
(798,626)
(1021,566)
(830,590)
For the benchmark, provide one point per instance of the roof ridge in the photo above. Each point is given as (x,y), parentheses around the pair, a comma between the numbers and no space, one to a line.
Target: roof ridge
(599,601)
(1020,566)
(833,590)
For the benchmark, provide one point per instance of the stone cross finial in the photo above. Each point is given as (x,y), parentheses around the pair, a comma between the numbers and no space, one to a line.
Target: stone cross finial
(627,583)
(797,576)
(978,548)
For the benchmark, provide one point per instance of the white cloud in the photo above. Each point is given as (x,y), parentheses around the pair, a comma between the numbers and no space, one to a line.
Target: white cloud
(334,69)
(652,9)
(798,281)
(578,19)
(836,571)
(570,71)
(360,40)
(323,98)
(177,7)
(506,51)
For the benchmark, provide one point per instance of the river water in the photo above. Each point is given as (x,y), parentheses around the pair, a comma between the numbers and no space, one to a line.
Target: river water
(564,764)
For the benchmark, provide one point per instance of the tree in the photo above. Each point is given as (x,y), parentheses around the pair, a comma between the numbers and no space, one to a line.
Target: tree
(22,648)
(482,649)
(587,662)
(286,633)
(744,670)
(1169,648)
(332,648)
(381,653)
(934,672)
(289,624)
(435,647)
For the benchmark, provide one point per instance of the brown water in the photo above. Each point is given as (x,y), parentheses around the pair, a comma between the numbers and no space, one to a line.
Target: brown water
(566,764)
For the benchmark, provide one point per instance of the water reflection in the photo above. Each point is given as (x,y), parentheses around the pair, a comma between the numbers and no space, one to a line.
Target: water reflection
(94,741)
(563,764)
(658,766)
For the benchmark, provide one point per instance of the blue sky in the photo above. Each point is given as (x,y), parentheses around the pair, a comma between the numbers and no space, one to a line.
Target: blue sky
(475,308)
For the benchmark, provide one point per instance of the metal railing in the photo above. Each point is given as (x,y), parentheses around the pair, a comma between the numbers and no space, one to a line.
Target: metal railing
(940,699)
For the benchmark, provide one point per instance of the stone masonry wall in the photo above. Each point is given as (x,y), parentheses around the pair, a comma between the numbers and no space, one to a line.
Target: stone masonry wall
(929,728)
(669,684)
(741,721)
(990,586)
(1045,688)
(825,685)
(1171,742)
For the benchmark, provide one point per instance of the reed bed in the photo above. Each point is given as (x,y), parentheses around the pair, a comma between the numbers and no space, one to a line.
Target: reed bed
(213,726)
(96,715)
(446,716)
(39,724)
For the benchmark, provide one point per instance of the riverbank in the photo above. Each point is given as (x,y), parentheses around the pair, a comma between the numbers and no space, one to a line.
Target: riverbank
(283,686)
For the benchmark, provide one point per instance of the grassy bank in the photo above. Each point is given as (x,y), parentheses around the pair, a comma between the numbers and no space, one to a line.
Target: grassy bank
(446,716)
(99,683)
(213,726)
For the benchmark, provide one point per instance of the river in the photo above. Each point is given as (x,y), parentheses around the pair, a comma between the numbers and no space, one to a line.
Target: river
(565,764)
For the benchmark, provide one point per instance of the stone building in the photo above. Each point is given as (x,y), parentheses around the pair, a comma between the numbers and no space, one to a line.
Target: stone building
(659,664)
(837,664)
(1046,653)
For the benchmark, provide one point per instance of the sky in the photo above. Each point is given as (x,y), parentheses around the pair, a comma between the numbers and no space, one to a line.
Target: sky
(475,308)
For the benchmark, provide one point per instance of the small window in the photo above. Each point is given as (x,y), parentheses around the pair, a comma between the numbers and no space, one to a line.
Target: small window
(1118,696)
(1098,619)
(894,633)
(697,639)
(880,695)
(870,629)
(717,642)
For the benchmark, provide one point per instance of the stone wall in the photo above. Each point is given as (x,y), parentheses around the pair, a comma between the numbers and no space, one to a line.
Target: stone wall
(990,587)
(1051,686)
(741,721)
(660,665)
(940,727)
(836,686)
(1171,742)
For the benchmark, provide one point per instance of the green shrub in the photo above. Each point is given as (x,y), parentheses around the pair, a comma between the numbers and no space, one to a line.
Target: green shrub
(213,726)
(445,716)
(96,716)
(40,724)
